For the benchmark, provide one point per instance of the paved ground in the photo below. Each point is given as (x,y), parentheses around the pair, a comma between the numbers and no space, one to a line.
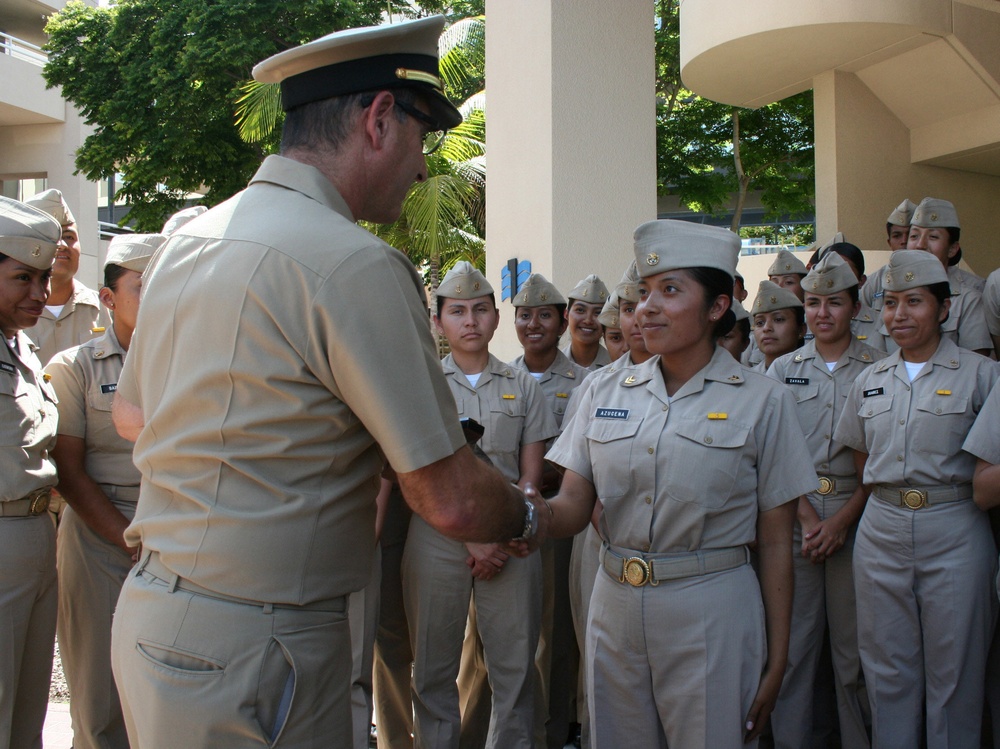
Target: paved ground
(58,733)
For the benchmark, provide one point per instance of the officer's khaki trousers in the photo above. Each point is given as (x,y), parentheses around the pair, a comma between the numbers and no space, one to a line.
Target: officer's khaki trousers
(28,602)
(91,573)
(199,672)
(924,581)
(675,665)
(437,590)
(823,593)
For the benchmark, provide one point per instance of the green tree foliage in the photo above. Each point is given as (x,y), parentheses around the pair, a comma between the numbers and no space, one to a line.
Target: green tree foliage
(707,151)
(159,79)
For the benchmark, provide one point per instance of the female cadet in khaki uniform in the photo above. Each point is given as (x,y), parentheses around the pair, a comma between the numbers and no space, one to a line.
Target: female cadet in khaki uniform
(101,486)
(984,442)
(441,575)
(614,339)
(539,319)
(684,648)
(924,554)
(787,272)
(586,300)
(779,323)
(28,598)
(819,376)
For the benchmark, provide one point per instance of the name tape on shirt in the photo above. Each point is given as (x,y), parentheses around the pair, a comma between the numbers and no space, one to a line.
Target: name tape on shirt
(8,368)
(872,392)
(796,380)
(612,413)
(109,388)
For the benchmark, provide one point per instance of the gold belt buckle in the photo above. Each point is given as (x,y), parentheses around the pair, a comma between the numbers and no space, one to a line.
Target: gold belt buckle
(913,498)
(825,485)
(635,571)
(39,502)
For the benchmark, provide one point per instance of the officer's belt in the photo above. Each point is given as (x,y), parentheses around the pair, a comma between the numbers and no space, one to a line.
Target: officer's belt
(916,497)
(151,566)
(836,485)
(637,569)
(34,504)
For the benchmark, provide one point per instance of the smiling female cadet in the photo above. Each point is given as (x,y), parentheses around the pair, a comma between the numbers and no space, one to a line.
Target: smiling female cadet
(28,598)
(586,300)
(101,486)
(924,554)
(779,323)
(819,376)
(693,457)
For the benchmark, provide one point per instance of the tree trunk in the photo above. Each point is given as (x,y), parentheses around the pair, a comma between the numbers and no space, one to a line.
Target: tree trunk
(741,177)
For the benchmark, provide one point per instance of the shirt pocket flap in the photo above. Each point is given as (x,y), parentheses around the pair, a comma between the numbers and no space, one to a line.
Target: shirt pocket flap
(514,406)
(804,392)
(875,405)
(609,430)
(714,433)
(939,404)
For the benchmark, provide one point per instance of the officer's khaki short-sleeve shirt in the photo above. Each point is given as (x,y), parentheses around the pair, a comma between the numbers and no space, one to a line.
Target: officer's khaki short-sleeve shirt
(913,431)
(509,404)
(280,352)
(27,422)
(85,379)
(984,437)
(820,396)
(690,471)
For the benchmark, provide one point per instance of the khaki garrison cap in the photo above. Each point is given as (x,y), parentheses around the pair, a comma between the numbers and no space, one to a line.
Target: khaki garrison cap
(628,287)
(903,213)
(910,269)
(823,249)
(463,281)
(180,218)
(27,234)
(609,316)
(133,251)
(591,290)
(54,204)
(666,244)
(538,291)
(771,297)
(739,310)
(372,58)
(785,264)
(830,275)
(935,212)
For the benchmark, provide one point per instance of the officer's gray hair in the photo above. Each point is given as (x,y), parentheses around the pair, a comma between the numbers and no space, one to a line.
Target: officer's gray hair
(324,124)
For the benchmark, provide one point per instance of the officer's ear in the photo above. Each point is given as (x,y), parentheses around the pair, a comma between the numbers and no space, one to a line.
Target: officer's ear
(377,118)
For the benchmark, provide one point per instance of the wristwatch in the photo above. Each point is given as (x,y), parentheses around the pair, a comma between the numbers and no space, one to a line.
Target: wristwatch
(530,522)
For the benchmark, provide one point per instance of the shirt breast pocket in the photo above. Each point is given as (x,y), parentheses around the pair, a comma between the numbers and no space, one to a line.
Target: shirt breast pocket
(876,416)
(611,442)
(705,461)
(944,422)
(506,423)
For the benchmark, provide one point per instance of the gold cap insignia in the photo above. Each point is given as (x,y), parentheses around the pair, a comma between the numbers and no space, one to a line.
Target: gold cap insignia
(543,296)
(458,289)
(475,286)
(908,276)
(888,278)
(602,295)
(829,284)
(933,217)
(815,285)
(788,266)
(36,251)
(774,300)
(652,258)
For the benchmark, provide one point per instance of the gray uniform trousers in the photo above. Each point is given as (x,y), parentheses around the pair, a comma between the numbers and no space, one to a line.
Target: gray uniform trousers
(91,574)
(926,601)
(823,593)
(438,587)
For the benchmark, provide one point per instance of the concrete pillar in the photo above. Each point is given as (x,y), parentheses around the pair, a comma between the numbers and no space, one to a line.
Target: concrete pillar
(572,141)
(864,169)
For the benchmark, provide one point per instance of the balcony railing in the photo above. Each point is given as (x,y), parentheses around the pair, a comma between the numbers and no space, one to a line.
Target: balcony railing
(22,50)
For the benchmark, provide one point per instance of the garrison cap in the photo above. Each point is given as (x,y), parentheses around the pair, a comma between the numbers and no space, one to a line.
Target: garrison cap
(371,58)
(180,218)
(667,244)
(830,275)
(823,249)
(591,290)
(538,291)
(133,251)
(910,269)
(54,204)
(903,214)
(739,310)
(27,234)
(771,297)
(463,281)
(786,263)
(609,317)
(628,287)
(935,212)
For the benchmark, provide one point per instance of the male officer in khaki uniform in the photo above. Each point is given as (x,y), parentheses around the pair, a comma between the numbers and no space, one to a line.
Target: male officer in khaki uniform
(819,375)
(261,448)
(441,575)
(73,313)
(586,300)
(28,418)
(101,486)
